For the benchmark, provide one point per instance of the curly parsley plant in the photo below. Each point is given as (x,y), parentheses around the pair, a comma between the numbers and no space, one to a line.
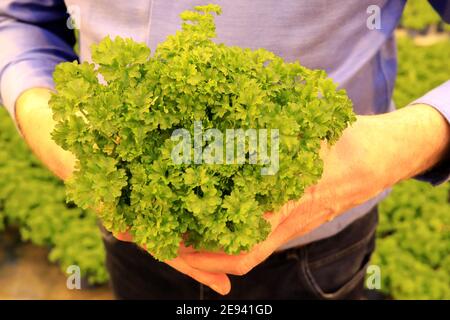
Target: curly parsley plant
(121,130)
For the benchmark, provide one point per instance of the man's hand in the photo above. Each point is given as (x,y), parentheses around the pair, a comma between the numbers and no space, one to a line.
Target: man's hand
(353,173)
(373,154)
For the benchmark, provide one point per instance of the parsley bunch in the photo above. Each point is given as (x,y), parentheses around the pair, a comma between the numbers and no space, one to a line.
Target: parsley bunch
(120,131)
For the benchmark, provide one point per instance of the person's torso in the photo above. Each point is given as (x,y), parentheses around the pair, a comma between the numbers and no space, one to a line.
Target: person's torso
(324,34)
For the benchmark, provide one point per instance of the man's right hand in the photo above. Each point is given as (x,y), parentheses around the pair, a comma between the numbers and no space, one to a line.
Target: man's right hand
(35,121)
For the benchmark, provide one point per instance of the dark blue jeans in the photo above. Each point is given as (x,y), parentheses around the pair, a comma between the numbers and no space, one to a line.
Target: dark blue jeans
(332,268)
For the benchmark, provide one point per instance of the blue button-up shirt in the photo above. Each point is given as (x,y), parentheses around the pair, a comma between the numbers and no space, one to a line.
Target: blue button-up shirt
(352,40)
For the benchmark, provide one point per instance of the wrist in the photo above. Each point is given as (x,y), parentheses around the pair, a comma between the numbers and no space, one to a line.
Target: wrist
(35,121)
(28,103)
(409,141)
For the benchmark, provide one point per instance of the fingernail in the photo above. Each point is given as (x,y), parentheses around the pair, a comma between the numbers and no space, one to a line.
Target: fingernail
(219,289)
(216,288)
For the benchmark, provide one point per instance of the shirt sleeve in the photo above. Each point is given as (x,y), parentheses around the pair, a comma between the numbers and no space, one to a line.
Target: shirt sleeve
(34,38)
(439,98)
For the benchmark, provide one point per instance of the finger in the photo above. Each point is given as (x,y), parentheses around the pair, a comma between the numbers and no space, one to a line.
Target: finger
(124,236)
(244,262)
(218,262)
(184,249)
(219,282)
(234,264)
(241,264)
(273,219)
(276,218)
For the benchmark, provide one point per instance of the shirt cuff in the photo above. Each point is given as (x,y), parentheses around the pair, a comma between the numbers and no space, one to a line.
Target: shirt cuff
(23,75)
(438,98)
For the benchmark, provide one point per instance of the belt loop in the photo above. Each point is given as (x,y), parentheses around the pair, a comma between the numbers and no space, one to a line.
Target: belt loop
(296,253)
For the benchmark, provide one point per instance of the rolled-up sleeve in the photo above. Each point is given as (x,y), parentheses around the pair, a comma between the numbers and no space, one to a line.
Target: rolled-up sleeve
(34,37)
(439,98)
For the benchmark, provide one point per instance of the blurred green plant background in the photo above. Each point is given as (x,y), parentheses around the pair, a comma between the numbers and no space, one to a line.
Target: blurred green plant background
(413,245)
